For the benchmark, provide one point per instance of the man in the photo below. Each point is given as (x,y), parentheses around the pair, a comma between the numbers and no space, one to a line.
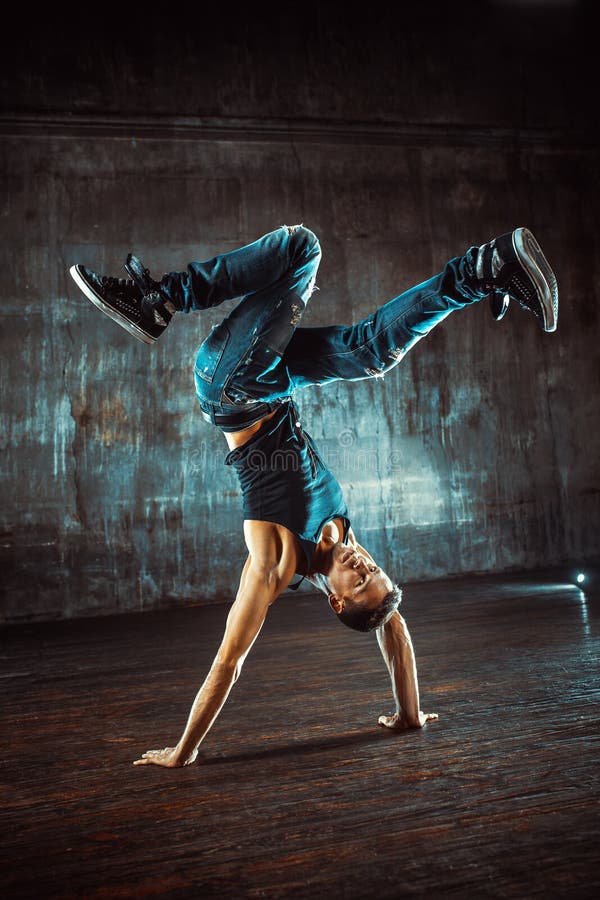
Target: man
(246,373)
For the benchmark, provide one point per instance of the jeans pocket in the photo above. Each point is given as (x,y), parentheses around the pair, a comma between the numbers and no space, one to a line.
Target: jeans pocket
(210,353)
(259,376)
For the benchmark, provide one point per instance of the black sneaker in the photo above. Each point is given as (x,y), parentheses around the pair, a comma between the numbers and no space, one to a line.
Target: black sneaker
(122,300)
(513,267)
(155,306)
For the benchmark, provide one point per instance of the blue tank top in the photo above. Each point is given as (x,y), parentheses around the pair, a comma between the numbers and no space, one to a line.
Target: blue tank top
(285,480)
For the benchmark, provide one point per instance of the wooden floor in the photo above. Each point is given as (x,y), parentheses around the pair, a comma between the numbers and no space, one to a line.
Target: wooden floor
(298,792)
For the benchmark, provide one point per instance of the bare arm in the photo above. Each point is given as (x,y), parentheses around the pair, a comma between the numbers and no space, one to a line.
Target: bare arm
(259,587)
(397,650)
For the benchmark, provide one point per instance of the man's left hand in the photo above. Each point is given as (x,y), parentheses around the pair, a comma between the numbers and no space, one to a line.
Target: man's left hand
(169,758)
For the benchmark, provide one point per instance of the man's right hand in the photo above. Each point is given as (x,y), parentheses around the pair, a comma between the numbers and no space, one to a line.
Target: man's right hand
(399,723)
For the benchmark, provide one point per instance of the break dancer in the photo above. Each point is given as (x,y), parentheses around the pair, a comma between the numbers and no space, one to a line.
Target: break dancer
(247,371)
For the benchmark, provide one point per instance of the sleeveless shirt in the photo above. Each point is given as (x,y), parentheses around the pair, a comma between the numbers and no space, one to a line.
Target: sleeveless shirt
(285,480)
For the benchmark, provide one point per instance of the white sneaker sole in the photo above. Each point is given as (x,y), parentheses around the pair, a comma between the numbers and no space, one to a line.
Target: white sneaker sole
(108,310)
(538,268)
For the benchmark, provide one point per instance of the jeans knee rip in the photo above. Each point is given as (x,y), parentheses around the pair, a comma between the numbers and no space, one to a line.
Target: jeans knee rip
(291,229)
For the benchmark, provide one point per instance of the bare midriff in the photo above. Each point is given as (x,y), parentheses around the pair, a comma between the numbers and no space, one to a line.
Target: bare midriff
(237,438)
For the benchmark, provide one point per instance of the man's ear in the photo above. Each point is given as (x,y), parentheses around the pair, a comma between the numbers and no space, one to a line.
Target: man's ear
(336,603)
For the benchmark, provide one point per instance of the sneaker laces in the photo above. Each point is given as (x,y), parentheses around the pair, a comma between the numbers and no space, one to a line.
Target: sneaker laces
(111,281)
(146,305)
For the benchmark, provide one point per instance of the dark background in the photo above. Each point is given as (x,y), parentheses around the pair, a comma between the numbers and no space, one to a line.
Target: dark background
(401,134)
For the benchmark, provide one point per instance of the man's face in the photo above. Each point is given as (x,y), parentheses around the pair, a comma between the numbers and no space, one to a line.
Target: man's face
(356,576)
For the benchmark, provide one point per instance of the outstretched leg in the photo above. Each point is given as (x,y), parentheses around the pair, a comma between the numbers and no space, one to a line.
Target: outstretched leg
(512,265)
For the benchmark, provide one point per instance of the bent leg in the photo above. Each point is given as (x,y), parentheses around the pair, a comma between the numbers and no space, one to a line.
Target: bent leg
(240,362)
(376,344)
(266,262)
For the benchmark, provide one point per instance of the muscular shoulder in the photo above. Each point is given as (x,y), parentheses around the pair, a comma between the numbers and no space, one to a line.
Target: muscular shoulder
(272,548)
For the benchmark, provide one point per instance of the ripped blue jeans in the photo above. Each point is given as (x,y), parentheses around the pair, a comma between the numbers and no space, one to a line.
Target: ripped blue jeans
(258,356)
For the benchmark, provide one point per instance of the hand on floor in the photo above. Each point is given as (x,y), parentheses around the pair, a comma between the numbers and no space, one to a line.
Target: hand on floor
(398,723)
(169,758)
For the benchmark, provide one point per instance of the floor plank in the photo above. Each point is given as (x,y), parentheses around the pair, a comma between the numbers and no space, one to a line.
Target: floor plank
(298,793)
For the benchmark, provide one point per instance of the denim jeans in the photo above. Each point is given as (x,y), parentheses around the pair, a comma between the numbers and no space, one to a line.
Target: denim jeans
(258,355)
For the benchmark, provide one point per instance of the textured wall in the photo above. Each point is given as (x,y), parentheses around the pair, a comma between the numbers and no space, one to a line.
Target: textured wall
(479,452)
(489,63)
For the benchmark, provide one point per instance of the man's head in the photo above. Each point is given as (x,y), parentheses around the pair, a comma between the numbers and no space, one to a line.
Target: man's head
(360,593)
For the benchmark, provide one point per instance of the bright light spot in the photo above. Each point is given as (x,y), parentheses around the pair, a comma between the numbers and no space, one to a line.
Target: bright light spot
(580,578)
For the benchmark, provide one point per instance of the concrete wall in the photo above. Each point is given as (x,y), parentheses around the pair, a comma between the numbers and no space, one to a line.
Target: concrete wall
(400,142)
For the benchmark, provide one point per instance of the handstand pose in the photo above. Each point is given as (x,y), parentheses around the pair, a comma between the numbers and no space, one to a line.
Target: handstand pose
(246,373)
